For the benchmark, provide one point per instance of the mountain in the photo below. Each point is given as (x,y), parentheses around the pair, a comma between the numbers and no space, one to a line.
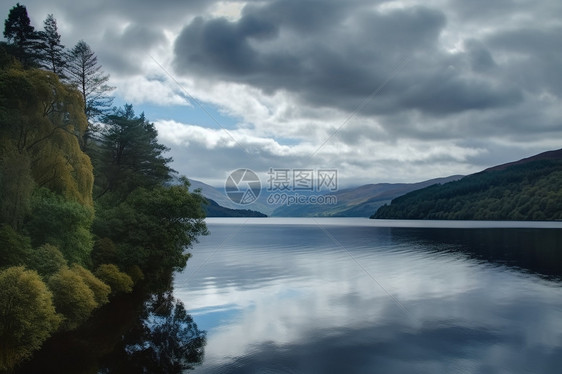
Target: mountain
(212,193)
(528,189)
(219,196)
(359,201)
(212,209)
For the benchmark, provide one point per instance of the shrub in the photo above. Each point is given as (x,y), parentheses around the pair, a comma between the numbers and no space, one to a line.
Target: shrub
(101,290)
(117,280)
(72,296)
(27,315)
(47,260)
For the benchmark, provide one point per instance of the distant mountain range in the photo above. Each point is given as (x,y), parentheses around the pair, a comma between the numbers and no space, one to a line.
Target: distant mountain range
(352,202)
(360,201)
(528,189)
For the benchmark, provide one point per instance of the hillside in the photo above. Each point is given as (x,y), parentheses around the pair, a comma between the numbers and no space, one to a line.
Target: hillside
(215,210)
(359,201)
(212,193)
(528,189)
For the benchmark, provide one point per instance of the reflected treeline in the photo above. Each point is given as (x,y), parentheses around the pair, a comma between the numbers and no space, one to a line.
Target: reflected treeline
(533,250)
(135,334)
(166,340)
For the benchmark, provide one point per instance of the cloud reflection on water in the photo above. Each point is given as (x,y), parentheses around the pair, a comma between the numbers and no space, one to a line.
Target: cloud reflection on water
(266,301)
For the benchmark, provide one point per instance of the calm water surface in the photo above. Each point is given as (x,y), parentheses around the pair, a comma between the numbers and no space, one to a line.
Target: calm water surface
(365,296)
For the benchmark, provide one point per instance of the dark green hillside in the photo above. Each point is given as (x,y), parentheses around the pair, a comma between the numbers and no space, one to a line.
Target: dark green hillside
(360,201)
(212,209)
(529,189)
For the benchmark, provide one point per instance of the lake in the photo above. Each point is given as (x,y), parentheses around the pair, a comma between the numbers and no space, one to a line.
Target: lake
(332,295)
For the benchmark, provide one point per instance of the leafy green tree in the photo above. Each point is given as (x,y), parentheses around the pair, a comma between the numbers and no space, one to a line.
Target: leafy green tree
(62,223)
(27,315)
(46,260)
(15,249)
(72,297)
(154,227)
(118,281)
(86,74)
(21,36)
(52,53)
(104,252)
(100,289)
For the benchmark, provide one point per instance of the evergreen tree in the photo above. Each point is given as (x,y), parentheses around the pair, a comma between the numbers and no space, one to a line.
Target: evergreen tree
(86,74)
(21,36)
(52,53)
(130,155)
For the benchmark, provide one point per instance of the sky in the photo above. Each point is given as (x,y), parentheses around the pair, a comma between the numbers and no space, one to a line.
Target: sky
(381,91)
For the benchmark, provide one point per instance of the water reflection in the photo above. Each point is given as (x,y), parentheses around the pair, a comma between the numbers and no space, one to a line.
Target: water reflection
(531,250)
(329,306)
(164,340)
(138,333)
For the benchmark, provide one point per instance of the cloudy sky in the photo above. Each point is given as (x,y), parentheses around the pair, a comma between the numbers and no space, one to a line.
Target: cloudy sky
(384,91)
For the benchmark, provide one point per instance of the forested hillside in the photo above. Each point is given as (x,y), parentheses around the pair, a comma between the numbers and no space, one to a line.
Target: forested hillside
(530,189)
(212,209)
(85,211)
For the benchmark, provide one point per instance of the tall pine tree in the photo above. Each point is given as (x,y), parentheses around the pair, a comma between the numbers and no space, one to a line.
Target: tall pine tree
(130,155)
(52,52)
(22,38)
(86,74)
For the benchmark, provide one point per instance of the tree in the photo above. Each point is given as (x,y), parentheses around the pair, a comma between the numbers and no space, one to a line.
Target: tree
(72,297)
(117,280)
(41,120)
(16,186)
(22,37)
(86,74)
(15,249)
(63,223)
(52,54)
(154,227)
(27,315)
(130,155)
(165,340)
(46,260)
(99,288)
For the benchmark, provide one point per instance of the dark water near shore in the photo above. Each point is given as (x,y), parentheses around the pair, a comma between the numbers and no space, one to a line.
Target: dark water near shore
(338,296)
(361,296)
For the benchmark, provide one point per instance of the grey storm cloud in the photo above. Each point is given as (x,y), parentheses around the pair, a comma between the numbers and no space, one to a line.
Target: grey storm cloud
(334,54)
(477,82)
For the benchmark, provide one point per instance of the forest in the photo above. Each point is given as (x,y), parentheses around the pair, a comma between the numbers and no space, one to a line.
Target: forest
(527,191)
(87,210)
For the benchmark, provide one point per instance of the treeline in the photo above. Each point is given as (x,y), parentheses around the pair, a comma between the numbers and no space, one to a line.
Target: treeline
(86,210)
(522,191)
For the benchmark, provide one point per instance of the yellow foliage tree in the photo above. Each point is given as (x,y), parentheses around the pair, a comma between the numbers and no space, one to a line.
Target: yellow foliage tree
(43,120)
(27,315)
